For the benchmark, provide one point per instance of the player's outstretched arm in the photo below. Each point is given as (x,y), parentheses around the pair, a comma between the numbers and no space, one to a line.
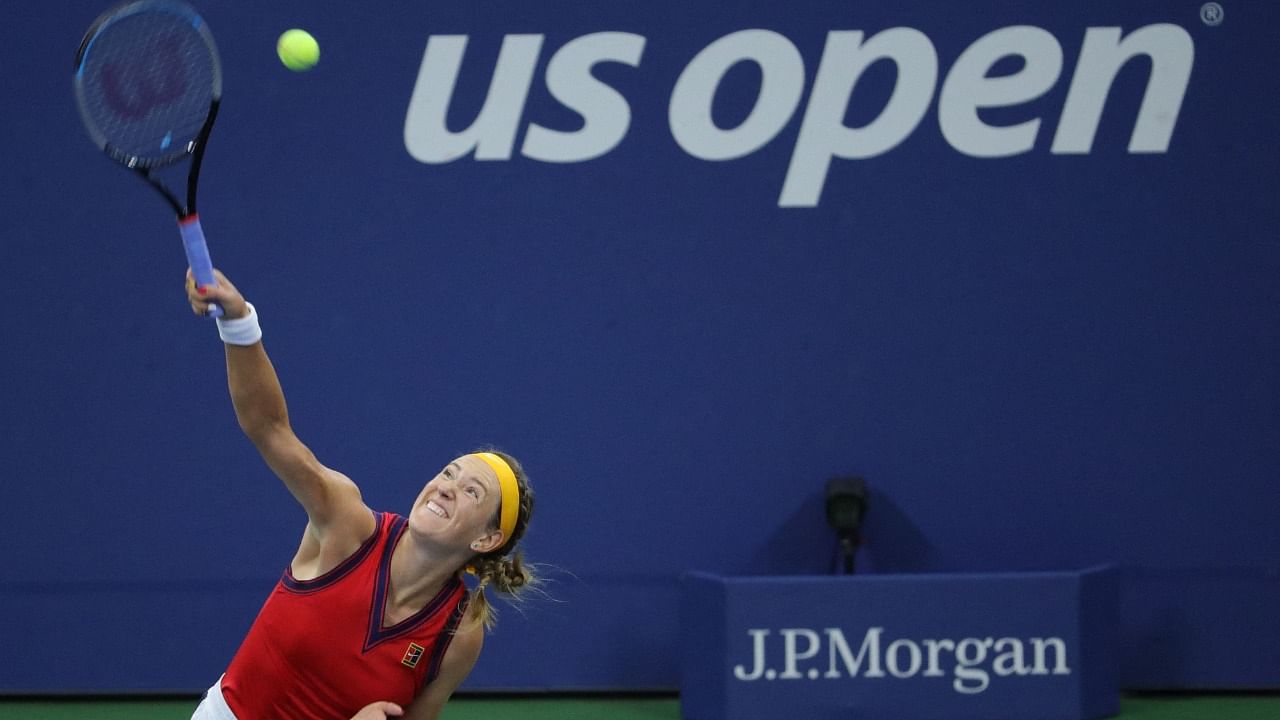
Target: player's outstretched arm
(329,497)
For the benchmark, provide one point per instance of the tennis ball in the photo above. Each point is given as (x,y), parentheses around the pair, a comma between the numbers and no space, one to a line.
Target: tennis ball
(298,50)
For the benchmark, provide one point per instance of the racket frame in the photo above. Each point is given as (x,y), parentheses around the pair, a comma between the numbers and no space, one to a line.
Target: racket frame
(188,220)
(196,146)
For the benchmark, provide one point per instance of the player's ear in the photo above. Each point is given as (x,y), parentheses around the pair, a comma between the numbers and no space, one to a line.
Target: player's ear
(487,543)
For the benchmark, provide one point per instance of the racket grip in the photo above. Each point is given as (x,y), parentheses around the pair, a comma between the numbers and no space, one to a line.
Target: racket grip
(198,256)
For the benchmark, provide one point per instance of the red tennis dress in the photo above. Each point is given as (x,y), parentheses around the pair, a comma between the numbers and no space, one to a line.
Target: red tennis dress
(319,651)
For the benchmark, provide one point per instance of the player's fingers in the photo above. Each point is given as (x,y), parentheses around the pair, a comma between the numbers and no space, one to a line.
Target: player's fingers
(221,285)
(197,294)
(221,292)
(378,711)
(219,280)
(223,282)
(226,295)
(216,293)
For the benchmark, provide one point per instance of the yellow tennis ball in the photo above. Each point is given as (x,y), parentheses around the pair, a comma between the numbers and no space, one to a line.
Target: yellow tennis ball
(298,50)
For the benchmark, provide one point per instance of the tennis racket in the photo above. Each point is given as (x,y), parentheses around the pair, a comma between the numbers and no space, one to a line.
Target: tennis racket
(148,83)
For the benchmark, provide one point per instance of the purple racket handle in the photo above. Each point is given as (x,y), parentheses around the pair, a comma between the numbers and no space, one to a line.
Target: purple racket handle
(198,256)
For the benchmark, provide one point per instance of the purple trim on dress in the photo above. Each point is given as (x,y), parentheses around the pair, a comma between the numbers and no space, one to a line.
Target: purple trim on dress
(378,634)
(315,584)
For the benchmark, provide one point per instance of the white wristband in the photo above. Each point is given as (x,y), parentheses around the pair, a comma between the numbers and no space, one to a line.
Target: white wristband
(241,330)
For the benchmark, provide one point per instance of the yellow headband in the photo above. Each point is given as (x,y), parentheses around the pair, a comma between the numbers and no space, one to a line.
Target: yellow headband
(510,493)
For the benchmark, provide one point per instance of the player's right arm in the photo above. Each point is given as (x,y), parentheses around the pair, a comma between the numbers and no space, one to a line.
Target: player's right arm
(332,502)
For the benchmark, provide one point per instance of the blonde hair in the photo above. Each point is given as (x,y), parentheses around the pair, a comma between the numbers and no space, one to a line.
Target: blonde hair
(503,569)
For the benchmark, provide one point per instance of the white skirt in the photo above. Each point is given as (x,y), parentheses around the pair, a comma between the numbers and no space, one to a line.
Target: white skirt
(213,706)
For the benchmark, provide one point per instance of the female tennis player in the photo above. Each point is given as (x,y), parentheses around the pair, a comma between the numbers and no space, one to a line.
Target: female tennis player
(371,618)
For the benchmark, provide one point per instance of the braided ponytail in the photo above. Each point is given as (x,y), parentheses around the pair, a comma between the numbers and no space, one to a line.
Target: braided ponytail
(503,569)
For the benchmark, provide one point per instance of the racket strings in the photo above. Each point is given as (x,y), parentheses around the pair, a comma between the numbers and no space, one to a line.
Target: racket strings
(146,82)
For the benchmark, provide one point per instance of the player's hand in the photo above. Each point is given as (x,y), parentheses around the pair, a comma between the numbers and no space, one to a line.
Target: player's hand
(378,711)
(221,292)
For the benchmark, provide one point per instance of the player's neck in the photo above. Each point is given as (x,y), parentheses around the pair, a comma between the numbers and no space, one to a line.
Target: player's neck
(419,569)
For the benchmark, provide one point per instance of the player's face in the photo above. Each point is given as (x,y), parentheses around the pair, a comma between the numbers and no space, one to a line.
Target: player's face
(459,504)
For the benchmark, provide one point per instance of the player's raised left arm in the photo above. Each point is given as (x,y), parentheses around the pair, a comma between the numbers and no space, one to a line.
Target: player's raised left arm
(331,500)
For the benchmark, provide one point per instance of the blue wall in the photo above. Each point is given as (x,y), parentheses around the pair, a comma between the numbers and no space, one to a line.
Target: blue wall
(1041,361)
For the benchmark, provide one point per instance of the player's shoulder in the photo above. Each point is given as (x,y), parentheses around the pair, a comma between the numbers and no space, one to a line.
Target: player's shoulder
(342,480)
(347,507)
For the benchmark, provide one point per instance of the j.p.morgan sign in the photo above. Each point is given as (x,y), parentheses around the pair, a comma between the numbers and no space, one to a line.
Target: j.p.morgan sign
(902,647)
(825,654)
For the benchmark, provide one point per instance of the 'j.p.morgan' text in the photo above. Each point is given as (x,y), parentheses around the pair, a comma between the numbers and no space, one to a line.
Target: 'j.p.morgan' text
(970,662)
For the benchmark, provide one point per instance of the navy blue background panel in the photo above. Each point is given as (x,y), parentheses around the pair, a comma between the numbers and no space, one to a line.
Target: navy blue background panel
(1043,350)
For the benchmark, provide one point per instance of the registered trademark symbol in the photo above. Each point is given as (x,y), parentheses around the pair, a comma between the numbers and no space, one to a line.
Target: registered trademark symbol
(1212,13)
